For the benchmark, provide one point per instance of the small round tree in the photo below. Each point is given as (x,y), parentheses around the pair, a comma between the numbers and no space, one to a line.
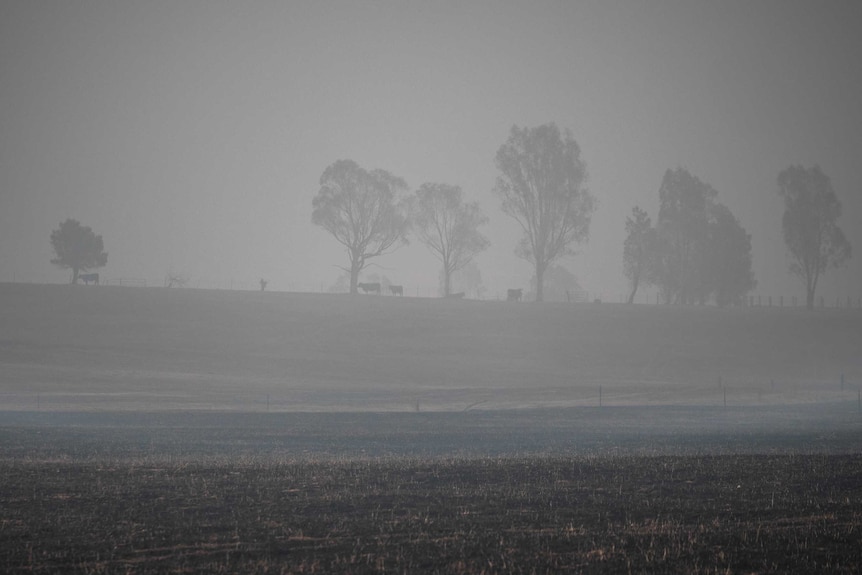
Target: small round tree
(77,248)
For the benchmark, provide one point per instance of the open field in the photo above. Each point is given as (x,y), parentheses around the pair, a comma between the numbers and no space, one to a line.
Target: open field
(148,430)
(661,489)
(780,513)
(110,348)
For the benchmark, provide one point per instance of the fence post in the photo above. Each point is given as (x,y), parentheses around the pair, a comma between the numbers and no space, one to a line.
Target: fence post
(600,396)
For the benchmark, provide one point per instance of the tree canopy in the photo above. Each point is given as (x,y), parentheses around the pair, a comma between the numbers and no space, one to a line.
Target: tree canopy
(698,250)
(77,248)
(363,211)
(683,219)
(727,259)
(810,225)
(541,186)
(449,227)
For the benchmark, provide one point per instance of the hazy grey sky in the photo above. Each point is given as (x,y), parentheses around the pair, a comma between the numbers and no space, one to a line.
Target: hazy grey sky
(192,134)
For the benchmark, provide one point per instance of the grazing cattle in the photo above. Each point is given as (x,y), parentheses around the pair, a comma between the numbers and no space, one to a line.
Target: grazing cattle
(459,295)
(87,278)
(514,294)
(375,287)
(396,290)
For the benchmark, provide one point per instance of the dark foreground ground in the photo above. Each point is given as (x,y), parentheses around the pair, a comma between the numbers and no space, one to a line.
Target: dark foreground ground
(584,490)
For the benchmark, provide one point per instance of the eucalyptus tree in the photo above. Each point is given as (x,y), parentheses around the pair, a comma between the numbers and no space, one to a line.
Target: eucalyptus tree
(728,259)
(363,210)
(683,230)
(449,227)
(810,225)
(542,186)
(699,251)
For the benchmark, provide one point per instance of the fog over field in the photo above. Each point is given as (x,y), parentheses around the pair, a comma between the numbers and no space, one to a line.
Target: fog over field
(196,139)
(154,429)
(68,348)
(392,286)
(192,135)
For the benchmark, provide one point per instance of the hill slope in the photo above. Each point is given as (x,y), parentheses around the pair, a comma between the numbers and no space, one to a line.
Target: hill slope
(69,347)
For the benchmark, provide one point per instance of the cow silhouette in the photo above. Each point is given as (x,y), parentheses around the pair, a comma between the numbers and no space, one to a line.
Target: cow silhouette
(514,294)
(369,287)
(87,278)
(396,290)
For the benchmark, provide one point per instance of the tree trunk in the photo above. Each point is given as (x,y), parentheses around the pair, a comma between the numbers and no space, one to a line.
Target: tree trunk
(634,290)
(810,288)
(540,283)
(447,281)
(355,268)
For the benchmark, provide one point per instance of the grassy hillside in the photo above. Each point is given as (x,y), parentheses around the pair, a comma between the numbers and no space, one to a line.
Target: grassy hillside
(69,347)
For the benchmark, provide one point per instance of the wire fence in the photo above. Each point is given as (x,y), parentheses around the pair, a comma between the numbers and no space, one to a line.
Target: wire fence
(433,291)
(839,302)
(725,392)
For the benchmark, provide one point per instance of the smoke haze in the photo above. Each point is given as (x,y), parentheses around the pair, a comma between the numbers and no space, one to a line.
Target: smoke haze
(191,135)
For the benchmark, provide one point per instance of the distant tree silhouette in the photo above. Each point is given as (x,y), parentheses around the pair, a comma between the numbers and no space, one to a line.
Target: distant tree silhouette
(698,251)
(542,187)
(363,212)
(638,249)
(682,227)
(811,233)
(448,227)
(77,248)
(728,258)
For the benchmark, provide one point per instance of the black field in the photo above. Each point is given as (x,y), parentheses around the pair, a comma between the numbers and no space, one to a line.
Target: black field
(159,431)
